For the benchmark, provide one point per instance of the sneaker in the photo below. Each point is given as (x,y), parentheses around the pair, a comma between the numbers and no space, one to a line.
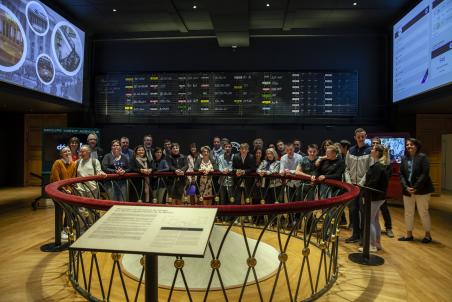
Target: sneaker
(64,236)
(372,249)
(351,240)
(389,233)
(427,240)
(406,238)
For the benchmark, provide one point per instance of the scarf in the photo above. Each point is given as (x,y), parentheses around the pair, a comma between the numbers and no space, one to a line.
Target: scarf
(143,161)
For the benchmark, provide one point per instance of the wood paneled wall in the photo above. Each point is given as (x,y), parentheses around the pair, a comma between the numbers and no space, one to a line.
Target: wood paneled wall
(33,142)
(429,128)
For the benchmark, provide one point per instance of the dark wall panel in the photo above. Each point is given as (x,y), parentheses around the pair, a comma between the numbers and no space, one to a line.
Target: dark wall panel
(366,54)
(12,150)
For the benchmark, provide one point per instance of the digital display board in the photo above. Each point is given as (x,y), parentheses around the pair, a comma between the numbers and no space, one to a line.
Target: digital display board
(40,50)
(422,49)
(226,94)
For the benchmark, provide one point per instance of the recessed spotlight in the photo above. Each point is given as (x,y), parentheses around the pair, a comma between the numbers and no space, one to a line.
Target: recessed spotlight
(267,5)
(355,3)
(195,7)
(115,10)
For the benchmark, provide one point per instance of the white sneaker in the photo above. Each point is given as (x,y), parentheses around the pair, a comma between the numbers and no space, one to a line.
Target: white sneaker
(64,236)
(372,249)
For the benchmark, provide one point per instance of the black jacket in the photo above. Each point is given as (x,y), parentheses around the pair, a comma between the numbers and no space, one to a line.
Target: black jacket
(177,163)
(331,169)
(135,166)
(249,165)
(420,179)
(136,189)
(377,177)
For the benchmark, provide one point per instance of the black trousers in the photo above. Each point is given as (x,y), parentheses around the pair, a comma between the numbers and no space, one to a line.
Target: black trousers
(386,215)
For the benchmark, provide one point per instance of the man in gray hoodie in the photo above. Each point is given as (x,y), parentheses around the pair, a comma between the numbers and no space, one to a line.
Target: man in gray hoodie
(357,162)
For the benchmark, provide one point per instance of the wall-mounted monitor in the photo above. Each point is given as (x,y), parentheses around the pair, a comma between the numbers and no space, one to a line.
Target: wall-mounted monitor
(422,49)
(55,139)
(395,141)
(41,50)
(141,97)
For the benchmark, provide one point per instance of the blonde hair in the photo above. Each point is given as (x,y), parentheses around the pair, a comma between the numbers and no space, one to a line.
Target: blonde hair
(333,148)
(273,151)
(384,157)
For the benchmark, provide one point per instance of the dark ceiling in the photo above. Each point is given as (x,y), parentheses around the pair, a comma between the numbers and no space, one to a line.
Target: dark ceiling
(230,21)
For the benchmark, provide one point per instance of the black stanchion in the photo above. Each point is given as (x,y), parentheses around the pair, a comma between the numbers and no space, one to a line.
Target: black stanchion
(151,278)
(57,245)
(365,257)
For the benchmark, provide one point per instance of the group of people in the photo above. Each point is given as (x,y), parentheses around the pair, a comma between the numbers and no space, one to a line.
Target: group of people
(360,164)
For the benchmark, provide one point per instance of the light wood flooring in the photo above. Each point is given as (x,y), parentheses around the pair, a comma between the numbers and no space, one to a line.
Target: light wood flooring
(412,271)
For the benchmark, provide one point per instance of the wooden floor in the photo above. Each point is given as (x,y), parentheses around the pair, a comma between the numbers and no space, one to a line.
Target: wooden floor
(412,272)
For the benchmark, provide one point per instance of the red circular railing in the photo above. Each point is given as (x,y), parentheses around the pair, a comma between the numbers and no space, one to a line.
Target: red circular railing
(351,192)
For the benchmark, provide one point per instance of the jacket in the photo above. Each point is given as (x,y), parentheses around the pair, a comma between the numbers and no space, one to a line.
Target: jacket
(249,164)
(177,163)
(273,168)
(420,179)
(377,177)
(357,162)
(331,169)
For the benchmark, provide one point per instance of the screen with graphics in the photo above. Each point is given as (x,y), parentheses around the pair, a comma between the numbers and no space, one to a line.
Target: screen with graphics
(40,50)
(135,97)
(422,49)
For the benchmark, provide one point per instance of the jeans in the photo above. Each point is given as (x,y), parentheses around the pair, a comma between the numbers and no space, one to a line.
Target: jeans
(375,230)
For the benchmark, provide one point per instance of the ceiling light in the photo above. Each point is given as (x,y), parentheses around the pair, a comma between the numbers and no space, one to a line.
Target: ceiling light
(267,5)
(195,7)
(114,10)
(355,3)
(234,46)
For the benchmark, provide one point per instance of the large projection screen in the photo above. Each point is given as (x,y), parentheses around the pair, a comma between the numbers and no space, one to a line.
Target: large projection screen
(40,50)
(422,49)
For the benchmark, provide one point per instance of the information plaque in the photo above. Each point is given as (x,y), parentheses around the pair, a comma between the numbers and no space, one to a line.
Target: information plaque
(178,231)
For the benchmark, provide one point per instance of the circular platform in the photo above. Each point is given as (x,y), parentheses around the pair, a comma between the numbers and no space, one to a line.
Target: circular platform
(198,270)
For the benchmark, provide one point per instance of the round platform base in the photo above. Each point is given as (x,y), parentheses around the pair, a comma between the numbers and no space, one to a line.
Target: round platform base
(372,260)
(198,270)
(52,247)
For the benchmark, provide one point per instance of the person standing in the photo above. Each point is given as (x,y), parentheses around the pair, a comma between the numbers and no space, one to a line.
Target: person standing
(308,168)
(159,187)
(357,162)
(417,187)
(205,164)
(377,177)
(226,182)
(88,166)
(116,163)
(217,151)
(297,145)
(384,207)
(280,148)
(140,163)
(147,143)
(178,164)
(288,165)
(64,167)
(74,144)
(125,150)
(96,151)
(167,148)
(271,187)
(243,163)
(258,143)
